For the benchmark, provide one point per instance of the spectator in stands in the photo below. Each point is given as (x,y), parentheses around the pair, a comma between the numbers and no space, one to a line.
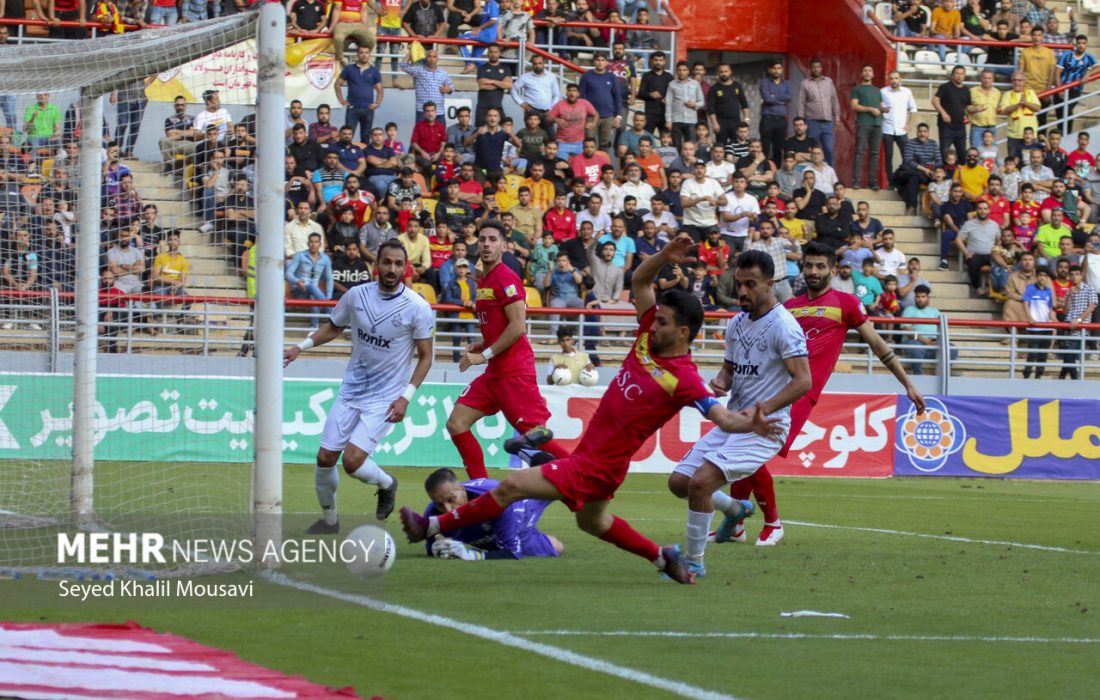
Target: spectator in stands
(1006,254)
(308,153)
(56,265)
(727,106)
(975,241)
(381,164)
(447,269)
(418,248)
(953,214)
(1020,105)
(430,82)
(352,158)
(909,280)
(1054,157)
(429,138)
(493,78)
(1040,66)
(775,96)
(842,281)
(683,98)
(610,193)
(452,209)
(293,118)
(304,15)
(404,187)
(296,233)
(424,21)
(170,270)
(240,216)
(984,100)
(213,115)
(719,169)
(757,169)
(819,104)
(597,215)
(972,175)
(946,24)
(488,142)
(587,165)
(629,139)
(1047,246)
(898,105)
(533,137)
(322,131)
(127,201)
(374,233)
(309,273)
(537,90)
(868,287)
(891,261)
(921,156)
(126,263)
(825,178)
(664,222)
(1039,175)
(457,134)
(42,126)
(179,136)
(739,213)
(528,217)
(866,225)
(831,227)
(599,88)
(352,19)
(652,89)
(572,117)
(563,285)
(952,104)
(924,345)
(241,147)
(625,248)
(800,144)
(215,188)
(461,290)
(1073,66)
(1005,13)
(469,189)
(1060,196)
(1018,282)
(348,270)
(19,273)
(360,201)
(110,311)
(867,102)
(328,181)
(607,276)
(559,220)
(1038,304)
(808,200)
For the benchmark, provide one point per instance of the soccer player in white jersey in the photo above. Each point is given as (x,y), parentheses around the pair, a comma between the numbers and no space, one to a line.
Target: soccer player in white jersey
(388,322)
(766,364)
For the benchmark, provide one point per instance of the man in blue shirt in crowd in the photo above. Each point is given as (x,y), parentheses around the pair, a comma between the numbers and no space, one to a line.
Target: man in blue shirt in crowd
(306,271)
(511,535)
(364,83)
(601,87)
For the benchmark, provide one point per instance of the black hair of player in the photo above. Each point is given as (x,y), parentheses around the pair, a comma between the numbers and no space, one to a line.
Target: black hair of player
(686,308)
(396,245)
(820,250)
(762,261)
(438,478)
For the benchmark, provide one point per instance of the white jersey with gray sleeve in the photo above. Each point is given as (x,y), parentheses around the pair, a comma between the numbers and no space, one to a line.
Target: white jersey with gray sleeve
(757,349)
(384,331)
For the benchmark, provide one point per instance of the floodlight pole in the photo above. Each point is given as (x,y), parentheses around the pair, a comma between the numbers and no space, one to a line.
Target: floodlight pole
(267,439)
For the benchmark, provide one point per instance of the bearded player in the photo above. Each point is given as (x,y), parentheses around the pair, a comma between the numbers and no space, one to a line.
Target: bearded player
(826,315)
(510,383)
(656,380)
(388,322)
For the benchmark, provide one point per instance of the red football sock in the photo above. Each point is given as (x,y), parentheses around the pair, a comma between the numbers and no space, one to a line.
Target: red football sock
(480,510)
(555,448)
(741,489)
(623,536)
(764,489)
(472,457)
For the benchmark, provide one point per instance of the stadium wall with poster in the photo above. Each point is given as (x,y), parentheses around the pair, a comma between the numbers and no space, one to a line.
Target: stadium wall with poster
(848,434)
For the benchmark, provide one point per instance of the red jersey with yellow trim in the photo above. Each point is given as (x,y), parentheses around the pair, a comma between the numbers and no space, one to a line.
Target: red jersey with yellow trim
(826,321)
(643,396)
(495,290)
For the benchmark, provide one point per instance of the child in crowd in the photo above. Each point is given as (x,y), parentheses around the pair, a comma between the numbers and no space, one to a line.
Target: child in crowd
(702,287)
(667,151)
(889,302)
(950,164)
(937,193)
(1011,177)
(1024,229)
(987,154)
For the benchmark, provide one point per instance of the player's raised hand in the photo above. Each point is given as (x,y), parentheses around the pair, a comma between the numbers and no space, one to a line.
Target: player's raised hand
(764,426)
(396,412)
(678,248)
(917,398)
(720,385)
(291,354)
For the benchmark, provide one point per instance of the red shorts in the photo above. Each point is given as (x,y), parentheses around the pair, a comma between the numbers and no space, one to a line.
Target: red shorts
(516,396)
(800,413)
(582,480)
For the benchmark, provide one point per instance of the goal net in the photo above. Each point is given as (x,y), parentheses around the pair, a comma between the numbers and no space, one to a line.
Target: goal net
(161,193)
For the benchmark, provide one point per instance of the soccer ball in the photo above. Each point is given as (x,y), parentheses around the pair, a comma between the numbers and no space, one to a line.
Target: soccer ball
(589,376)
(368,551)
(561,376)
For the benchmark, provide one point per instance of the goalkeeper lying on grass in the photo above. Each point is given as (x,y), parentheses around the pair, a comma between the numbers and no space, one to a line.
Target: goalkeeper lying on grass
(512,535)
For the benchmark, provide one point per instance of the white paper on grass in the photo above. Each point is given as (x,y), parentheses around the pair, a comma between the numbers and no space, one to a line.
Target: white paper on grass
(813,613)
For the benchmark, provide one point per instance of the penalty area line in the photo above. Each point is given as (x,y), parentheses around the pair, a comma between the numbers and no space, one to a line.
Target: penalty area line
(508,639)
(948,538)
(855,637)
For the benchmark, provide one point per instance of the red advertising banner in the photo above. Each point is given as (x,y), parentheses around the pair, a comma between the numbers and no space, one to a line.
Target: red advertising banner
(847,434)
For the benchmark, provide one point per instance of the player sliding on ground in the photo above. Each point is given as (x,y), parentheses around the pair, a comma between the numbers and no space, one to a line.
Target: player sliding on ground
(656,380)
(825,315)
(513,534)
(510,383)
(388,321)
(765,365)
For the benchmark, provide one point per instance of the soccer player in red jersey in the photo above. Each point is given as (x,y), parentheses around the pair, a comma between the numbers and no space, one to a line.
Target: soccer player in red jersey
(826,315)
(656,380)
(510,383)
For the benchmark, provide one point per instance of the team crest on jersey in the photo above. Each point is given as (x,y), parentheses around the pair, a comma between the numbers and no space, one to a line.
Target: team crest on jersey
(762,345)
(657,372)
(510,290)
(320,70)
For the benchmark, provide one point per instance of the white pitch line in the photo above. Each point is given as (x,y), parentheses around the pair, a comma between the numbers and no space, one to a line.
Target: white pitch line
(799,635)
(507,639)
(949,538)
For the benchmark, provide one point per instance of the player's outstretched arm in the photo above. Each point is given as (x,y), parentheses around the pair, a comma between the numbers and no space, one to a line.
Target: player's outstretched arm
(642,282)
(322,335)
(892,362)
(755,421)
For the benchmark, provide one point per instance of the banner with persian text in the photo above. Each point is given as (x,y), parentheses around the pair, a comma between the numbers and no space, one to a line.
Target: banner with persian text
(1027,438)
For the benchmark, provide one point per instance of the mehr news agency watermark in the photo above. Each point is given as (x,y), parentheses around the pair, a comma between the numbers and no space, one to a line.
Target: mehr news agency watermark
(149,549)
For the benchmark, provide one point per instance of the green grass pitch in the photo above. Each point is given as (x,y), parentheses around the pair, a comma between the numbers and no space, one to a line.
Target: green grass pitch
(928,616)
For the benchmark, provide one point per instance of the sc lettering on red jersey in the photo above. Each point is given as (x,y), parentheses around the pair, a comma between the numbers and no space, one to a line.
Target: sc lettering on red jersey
(624,381)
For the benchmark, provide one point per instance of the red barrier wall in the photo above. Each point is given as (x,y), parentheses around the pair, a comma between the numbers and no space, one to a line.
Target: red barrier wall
(742,25)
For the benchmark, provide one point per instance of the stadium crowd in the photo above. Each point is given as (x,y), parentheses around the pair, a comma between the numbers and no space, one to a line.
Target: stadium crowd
(598,176)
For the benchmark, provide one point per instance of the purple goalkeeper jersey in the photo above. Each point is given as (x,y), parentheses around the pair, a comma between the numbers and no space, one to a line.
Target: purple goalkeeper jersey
(511,535)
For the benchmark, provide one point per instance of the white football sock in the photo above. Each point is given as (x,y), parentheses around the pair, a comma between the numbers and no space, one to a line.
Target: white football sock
(371,473)
(325,481)
(698,527)
(723,502)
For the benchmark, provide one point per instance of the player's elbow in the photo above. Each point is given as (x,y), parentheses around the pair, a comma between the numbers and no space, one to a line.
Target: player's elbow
(803,382)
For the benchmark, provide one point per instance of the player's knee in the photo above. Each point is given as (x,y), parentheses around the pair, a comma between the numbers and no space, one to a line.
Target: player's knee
(456,425)
(507,492)
(593,525)
(326,459)
(702,485)
(353,460)
(678,485)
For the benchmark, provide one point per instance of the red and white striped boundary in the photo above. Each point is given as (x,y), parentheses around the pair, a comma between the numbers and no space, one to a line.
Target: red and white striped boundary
(133,662)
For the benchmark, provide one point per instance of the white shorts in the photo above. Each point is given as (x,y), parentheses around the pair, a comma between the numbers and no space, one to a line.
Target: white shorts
(364,428)
(737,454)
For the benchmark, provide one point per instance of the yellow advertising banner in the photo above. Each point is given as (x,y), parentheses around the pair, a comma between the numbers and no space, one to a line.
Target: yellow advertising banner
(310,72)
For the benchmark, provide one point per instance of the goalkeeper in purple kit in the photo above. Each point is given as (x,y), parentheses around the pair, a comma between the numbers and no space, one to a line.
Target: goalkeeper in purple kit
(511,535)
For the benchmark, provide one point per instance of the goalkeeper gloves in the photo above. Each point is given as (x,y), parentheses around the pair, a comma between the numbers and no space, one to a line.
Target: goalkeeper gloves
(453,549)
